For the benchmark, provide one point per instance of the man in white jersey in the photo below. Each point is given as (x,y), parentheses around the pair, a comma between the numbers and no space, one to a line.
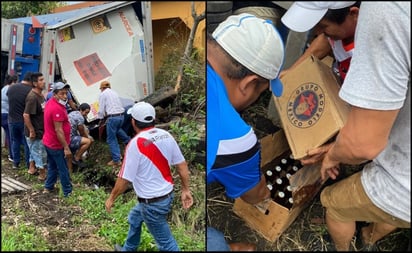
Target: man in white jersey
(146,165)
(377,87)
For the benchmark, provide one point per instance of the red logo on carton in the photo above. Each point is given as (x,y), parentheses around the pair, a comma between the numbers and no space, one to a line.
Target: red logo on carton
(306,105)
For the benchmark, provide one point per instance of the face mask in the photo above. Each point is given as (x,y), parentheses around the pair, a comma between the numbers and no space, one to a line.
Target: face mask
(63,102)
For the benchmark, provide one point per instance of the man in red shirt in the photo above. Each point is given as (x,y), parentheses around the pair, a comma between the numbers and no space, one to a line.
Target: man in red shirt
(56,139)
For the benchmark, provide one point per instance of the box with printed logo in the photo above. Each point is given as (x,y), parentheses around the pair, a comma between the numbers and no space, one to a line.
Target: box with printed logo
(271,220)
(310,109)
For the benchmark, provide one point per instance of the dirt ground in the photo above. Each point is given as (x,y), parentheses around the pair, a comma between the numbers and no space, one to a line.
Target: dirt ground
(49,214)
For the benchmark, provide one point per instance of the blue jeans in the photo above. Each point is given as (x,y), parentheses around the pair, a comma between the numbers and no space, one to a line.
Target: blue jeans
(114,129)
(57,166)
(18,139)
(155,216)
(5,126)
(37,152)
(216,240)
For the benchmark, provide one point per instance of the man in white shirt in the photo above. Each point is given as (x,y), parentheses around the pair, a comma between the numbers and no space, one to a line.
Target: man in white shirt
(111,109)
(377,86)
(147,163)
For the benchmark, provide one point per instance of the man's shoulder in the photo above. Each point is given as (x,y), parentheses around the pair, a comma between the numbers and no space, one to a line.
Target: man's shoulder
(31,95)
(76,115)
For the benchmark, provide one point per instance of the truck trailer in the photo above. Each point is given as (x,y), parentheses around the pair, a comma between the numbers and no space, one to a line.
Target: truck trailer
(83,47)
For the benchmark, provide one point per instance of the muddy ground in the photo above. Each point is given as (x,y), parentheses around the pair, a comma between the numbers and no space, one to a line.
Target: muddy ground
(48,213)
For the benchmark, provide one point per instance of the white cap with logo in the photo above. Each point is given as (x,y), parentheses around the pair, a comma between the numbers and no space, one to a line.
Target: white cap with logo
(255,43)
(303,16)
(143,112)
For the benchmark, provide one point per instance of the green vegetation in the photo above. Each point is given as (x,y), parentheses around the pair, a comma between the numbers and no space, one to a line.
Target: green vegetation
(40,222)
(17,9)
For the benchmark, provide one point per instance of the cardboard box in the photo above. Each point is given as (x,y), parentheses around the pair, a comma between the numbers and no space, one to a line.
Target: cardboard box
(310,109)
(306,183)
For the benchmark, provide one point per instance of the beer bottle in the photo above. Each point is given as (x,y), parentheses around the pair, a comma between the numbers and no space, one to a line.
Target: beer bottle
(293,169)
(289,203)
(288,175)
(278,171)
(288,191)
(284,162)
(269,175)
(280,183)
(280,198)
(271,189)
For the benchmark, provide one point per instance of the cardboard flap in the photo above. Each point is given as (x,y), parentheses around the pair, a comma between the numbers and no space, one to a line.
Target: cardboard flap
(269,225)
(273,146)
(306,183)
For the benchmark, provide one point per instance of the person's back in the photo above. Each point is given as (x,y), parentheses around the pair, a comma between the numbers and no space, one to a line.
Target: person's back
(110,101)
(17,99)
(244,56)
(153,149)
(76,119)
(377,129)
(233,157)
(10,80)
(147,166)
(111,112)
(17,94)
(80,140)
(387,179)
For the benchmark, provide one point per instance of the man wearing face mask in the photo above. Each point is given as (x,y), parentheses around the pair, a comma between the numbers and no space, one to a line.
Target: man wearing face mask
(56,139)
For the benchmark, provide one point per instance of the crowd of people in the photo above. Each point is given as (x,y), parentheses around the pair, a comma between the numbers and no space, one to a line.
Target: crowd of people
(52,128)
(56,137)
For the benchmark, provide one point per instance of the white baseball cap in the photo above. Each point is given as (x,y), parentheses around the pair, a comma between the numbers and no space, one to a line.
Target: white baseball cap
(143,112)
(302,16)
(256,44)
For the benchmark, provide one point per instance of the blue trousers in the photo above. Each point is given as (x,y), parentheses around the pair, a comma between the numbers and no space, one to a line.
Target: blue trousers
(57,166)
(114,129)
(18,139)
(5,126)
(154,215)
(215,240)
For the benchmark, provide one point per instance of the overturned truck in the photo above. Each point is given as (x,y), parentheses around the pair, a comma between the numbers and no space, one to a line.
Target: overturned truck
(111,41)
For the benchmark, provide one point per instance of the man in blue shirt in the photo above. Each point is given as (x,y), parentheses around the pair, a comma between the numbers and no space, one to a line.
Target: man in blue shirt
(244,58)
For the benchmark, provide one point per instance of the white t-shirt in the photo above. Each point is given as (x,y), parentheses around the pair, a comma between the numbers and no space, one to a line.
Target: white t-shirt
(379,79)
(147,162)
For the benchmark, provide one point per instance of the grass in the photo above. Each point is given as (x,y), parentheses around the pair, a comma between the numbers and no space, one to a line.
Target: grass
(33,222)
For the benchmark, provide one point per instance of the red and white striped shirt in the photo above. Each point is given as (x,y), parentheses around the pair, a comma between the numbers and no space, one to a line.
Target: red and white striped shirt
(147,162)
